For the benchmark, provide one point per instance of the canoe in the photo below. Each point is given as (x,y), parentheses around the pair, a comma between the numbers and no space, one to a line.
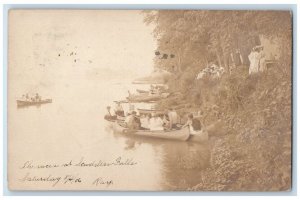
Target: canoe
(182,134)
(143,98)
(147,91)
(142,91)
(121,101)
(30,103)
(199,136)
(146,97)
(150,111)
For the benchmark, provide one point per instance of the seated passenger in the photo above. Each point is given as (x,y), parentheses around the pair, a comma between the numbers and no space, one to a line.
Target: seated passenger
(173,117)
(109,116)
(145,121)
(132,121)
(166,122)
(136,121)
(37,97)
(27,97)
(193,124)
(156,123)
(119,109)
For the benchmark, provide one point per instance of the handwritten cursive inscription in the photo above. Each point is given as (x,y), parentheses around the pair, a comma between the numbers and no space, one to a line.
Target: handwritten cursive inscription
(31,178)
(117,162)
(81,163)
(102,181)
(30,166)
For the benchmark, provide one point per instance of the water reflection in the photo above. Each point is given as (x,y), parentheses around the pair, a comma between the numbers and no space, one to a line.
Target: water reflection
(181,161)
(73,127)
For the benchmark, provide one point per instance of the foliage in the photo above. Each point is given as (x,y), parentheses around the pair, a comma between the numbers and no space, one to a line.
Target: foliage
(196,37)
(255,151)
(252,149)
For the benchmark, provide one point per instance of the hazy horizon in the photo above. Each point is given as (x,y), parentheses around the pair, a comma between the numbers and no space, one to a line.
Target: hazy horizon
(54,46)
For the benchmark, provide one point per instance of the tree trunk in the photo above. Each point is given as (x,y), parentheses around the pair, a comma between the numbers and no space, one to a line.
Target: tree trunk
(226,64)
(219,59)
(179,64)
(206,60)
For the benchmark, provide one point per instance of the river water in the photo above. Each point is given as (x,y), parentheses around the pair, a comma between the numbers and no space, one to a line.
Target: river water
(73,128)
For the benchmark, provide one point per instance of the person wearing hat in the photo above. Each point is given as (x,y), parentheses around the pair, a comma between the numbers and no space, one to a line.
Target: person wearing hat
(109,116)
(132,121)
(119,109)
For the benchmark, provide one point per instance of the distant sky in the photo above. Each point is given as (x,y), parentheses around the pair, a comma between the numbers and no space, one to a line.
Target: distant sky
(45,43)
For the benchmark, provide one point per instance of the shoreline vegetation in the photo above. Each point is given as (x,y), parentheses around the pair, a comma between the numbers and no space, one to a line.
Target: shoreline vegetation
(251,138)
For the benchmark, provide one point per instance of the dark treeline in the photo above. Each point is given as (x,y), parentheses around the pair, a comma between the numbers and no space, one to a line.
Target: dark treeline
(196,37)
(251,144)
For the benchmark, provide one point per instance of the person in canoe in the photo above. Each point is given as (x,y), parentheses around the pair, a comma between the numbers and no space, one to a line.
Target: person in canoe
(38,98)
(173,117)
(166,122)
(196,127)
(133,122)
(109,116)
(145,120)
(193,124)
(156,123)
(27,97)
(119,111)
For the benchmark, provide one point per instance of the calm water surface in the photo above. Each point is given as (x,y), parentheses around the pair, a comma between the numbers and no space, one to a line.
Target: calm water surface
(73,128)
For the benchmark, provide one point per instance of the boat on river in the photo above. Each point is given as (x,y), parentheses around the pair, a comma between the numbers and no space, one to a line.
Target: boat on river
(150,111)
(146,97)
(181,135)
(199,136)
(21,103)
(142,91)
(151,91)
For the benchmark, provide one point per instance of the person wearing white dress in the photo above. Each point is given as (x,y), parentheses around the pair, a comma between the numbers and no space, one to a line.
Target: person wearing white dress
(156,123)
(145,121)
(262,59)
(254,61)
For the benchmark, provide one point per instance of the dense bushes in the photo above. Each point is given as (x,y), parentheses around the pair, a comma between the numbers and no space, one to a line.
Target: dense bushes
(255,151)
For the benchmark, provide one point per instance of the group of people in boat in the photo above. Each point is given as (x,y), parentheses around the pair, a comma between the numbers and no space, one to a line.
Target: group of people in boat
(34,98)
(166,121)
(158,122)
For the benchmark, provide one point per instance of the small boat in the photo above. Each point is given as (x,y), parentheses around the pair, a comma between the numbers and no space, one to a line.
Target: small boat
(157,91)
(121,101)
(30,103)
(142,91)
(150,111)
(182,134)
(199,136)
(147,97)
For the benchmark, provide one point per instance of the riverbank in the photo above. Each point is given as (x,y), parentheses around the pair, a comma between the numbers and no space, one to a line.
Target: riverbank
(251,145)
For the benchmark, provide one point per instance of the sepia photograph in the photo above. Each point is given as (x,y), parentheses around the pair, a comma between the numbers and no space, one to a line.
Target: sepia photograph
(149,100)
